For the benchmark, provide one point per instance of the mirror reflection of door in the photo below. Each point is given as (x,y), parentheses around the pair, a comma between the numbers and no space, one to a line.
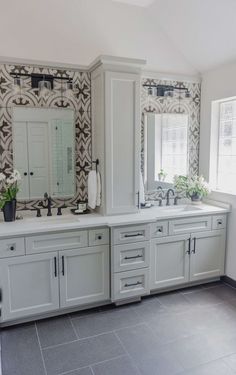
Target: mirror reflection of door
(165,148)
(43,151)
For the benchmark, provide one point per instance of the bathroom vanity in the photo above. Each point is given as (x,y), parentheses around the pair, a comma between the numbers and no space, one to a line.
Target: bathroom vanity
(54,265)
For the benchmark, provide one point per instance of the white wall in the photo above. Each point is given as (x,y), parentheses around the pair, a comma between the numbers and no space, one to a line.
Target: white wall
(218,84)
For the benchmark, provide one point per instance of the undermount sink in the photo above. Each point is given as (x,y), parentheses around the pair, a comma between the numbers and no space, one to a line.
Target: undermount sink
(54,220)
(185,208)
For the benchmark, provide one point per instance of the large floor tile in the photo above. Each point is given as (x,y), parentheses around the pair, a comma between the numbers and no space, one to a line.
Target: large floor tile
(213,368)
(81,353)
(119,366)
(21,352)
(84,371)
(174,302)
(149,308)
(55,331)
(105,322)
(201,349)
(147,351)
(224,292)
(203,298)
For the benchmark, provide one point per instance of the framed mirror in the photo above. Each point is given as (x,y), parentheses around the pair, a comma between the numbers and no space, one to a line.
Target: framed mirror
(165,147)
(44,151)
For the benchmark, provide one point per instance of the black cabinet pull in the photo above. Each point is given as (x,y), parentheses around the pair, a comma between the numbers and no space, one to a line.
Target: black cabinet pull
(134,257)
(133,235)
(138,194)
(55,266)
(12,248)
(31,173)
(189,246)
(99,237)
(159,229)
(194,247)
(63,265)
(134,284)
(25,173)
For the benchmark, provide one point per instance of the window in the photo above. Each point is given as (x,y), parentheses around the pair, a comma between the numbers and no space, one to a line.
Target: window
(226,163)
(165,147)
(174,145)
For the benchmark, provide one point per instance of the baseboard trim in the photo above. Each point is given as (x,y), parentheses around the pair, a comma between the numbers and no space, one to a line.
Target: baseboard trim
(228,280)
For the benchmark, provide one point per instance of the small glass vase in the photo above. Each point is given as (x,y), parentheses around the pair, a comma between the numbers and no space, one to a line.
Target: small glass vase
(9,211)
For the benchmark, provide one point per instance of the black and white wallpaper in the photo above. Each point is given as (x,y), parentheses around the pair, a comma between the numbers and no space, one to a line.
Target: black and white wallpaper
(177,104)
(80,103)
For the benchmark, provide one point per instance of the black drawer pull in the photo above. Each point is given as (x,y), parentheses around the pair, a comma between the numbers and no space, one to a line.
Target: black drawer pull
(134,284)
(189,246)
(159,229)
(100,237)
(63,265)
(12,248)
(133,235)
(55,266)
(134,257)
(219,222)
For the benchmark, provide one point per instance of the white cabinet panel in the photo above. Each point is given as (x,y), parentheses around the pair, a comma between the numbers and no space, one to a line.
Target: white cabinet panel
(219,222)
(207,256)
(131,256)
(59,241)
(131,233)
(130,284)
(191,224)
(29,285)
(159,229)
(169,263)
(99,236)
(84,276)
(12,247)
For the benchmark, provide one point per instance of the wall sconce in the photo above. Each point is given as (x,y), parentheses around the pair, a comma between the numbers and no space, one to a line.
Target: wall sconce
(17,85)
(42,83)
(166,91)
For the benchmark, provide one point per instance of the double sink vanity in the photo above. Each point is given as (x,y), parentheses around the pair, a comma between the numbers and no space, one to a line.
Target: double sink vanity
(52,265)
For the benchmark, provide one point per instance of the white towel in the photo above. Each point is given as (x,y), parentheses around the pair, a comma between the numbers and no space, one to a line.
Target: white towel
(92,189)
(141,191)
(99,190)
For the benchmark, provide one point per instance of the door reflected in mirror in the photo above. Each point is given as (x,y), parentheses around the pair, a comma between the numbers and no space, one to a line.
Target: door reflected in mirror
(165,148)
(44,151)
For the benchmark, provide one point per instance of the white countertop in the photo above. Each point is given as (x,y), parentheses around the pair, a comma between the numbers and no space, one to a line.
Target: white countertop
(34,225)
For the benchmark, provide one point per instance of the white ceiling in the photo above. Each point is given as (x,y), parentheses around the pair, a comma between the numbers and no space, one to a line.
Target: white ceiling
(175,36)
(139,3)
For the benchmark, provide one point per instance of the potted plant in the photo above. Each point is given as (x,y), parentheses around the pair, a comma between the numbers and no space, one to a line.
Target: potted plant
(162,175)
(194,187)
(9,187)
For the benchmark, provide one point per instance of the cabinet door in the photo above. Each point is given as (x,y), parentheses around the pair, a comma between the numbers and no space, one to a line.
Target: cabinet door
(122,119)
(208,255)
(84,276)
(29,285)
(169,261)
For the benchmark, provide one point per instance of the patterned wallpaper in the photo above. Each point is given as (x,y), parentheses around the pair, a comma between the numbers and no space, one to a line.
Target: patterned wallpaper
(81,103)
(177,104)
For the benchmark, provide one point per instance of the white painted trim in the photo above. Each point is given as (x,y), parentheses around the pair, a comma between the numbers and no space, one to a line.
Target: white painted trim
(116,60)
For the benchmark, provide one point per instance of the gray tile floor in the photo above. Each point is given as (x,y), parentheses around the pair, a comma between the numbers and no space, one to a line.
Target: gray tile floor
(192,331)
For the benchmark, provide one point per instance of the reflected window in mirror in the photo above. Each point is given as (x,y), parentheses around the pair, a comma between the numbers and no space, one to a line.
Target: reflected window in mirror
(44,152)
(165,148)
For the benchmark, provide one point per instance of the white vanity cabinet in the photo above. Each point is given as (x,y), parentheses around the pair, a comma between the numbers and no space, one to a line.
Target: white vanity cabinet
(84,276)
(29,285)
(55,271)
(196,253)
(116,133)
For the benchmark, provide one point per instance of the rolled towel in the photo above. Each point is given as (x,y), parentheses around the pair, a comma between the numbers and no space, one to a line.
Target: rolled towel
(92,189)
(99,190)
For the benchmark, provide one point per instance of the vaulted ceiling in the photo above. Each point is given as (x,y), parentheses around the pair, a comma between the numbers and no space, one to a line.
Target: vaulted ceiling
(175,36)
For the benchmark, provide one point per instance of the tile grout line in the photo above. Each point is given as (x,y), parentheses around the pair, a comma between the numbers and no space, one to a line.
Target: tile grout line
(73,327)
(127,353)
(92,364)
(40,347)
(91,370)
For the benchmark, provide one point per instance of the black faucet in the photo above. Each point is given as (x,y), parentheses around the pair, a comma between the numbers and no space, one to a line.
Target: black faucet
(168,196)
(48,205)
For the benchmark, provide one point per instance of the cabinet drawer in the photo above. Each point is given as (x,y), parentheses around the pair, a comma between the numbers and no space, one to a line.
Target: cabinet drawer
(130,284)
(12,247)
(159,229)
(219,222)
(99,236)
(131,256)
(131,233)
(192,224)
(54,242)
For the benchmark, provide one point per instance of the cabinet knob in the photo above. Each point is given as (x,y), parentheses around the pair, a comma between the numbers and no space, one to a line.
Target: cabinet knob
(12,248)
(25,173)
(99,237)
(31,173)
(159,230)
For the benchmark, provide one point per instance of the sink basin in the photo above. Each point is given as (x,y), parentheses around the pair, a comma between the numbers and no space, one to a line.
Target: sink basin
(179,209)
(54,220)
